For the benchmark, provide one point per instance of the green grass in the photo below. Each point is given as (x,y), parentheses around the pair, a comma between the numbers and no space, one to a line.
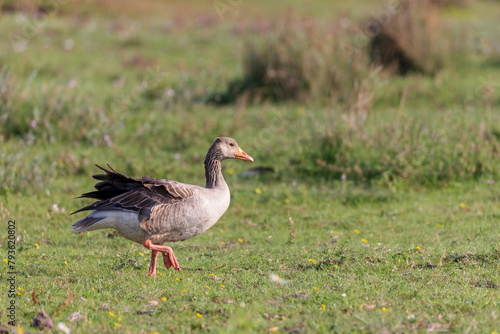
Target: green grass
(418,186)
(450,281)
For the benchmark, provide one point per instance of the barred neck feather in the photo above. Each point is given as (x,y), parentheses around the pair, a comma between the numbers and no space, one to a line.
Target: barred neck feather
(213,169)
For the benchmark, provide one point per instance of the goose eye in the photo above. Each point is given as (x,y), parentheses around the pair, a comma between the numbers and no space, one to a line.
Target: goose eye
(231,144)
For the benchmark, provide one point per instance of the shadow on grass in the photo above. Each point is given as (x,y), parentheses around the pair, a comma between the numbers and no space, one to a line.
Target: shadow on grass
(326,264)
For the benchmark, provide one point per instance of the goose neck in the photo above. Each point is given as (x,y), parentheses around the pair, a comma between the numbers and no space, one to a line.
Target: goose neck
(213,171)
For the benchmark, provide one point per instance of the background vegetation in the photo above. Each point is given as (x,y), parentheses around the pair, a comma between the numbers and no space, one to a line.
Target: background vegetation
(375,129)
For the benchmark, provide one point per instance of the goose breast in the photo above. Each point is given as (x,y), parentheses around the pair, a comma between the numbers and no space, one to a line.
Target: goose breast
(179,221)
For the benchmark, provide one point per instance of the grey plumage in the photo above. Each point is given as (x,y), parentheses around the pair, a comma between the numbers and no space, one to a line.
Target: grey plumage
(85,223)
(154,211)
(167,210)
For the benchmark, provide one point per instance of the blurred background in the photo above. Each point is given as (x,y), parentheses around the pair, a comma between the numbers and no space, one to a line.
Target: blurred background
(374,125)
(397,92)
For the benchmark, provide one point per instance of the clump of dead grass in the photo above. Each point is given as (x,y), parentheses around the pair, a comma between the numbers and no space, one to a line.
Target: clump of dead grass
(408,39)
(299,60)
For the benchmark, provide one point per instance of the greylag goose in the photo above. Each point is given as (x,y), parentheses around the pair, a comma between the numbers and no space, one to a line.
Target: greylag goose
(154,211)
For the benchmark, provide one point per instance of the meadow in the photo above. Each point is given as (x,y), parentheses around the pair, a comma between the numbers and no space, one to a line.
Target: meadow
(371,206)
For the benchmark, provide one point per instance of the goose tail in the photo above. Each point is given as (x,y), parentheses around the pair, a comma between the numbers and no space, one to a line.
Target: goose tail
(85,223)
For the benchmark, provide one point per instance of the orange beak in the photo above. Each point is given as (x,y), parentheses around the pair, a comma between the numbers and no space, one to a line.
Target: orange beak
(243,156)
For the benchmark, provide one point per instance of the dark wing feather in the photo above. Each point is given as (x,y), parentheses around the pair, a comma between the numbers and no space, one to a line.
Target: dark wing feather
(168,190)
(112,184)
(116,191)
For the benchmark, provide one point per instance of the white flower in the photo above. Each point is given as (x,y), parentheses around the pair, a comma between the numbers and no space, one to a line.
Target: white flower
(276,279)
(68,44)
(64,328)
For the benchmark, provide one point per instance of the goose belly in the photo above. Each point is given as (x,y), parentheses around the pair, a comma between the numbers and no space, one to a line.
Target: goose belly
(126,223)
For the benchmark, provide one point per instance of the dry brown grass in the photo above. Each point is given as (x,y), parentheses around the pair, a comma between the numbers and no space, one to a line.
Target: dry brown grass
(303,60)
(408,40)
(297,59)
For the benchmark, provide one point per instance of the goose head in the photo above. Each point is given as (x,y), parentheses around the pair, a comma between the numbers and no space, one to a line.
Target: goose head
(227,148)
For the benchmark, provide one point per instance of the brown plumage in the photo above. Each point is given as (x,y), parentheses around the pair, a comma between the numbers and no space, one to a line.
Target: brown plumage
(153,211)
(118,191)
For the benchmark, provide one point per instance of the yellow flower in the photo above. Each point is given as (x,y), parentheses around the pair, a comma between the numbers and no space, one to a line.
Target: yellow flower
(364,241)
(208,287)
(222,286)
(222,231)
(384,309)
(240,240)
(462,205)
(111,314)
(426,223)
(287,201)
(117,324)
(199,315)
(184,290)
(418,248)
(257,191)
(311,260)
(177,279)
(230,171)
(274,329)
(212,275)
(66,263)
(284,318)
(305,252)
(141,254)
(18,293)
(20,288)
(356,231)
(440,225)
(323,306)
(407,311)
(315,288)
(163,298)
(119,319)
(221,242)
(5,260)
(36,246)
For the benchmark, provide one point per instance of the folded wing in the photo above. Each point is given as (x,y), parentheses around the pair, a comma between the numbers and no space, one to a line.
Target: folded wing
(116,191)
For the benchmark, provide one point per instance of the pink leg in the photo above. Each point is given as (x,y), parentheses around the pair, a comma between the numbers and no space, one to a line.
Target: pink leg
(168,254)
(152,266)
(170,260)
